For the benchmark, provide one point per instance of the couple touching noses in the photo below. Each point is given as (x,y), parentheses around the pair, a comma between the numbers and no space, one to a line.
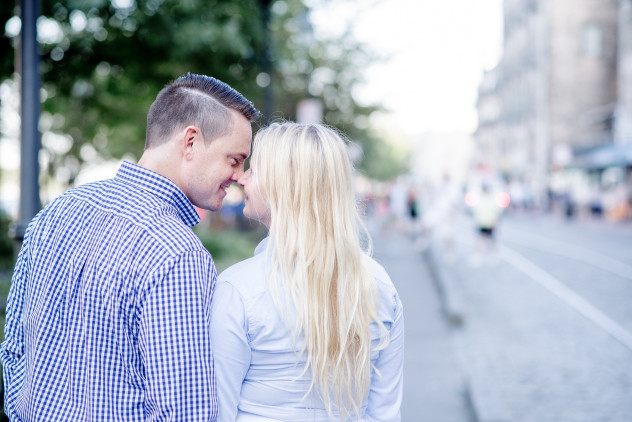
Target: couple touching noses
(116,311)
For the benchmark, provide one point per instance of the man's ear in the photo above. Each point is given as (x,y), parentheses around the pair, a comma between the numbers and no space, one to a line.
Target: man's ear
(190,139)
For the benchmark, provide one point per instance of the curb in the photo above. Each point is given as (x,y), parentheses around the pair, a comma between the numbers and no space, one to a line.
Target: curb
(450,304)
(479,397)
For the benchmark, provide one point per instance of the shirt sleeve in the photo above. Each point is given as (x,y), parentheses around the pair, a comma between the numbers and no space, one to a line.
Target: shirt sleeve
(12,350)
(230,347)
(174,341)
(385,394)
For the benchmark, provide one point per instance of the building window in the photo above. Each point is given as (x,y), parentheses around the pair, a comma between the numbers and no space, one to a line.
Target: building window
(592,40)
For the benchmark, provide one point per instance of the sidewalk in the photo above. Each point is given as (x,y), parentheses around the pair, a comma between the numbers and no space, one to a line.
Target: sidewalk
(434,387)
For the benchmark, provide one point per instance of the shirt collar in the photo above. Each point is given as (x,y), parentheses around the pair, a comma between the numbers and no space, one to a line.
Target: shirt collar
(262,245)
(160,186)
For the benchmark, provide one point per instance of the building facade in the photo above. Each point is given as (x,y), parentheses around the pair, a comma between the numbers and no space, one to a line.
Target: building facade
(488,106)
(623,112)
(555,88)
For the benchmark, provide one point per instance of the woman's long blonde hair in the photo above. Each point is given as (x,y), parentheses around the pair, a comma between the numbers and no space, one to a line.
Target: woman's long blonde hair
(304,175)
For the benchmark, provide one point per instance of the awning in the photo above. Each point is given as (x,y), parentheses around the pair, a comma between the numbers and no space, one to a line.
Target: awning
(613,155)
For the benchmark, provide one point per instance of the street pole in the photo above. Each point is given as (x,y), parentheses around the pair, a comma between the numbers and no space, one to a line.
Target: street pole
(267,61)
(29,204)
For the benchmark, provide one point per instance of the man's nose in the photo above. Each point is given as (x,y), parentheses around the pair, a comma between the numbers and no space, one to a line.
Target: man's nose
(238,174)
(239,178)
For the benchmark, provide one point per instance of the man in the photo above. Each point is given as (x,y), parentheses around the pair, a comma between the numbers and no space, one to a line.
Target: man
(109,307)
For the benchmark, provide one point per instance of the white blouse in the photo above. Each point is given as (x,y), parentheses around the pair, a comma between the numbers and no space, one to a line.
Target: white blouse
(258,368)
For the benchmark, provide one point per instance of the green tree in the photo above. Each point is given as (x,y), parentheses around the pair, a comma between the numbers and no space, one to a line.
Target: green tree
(6,245)
(103,61)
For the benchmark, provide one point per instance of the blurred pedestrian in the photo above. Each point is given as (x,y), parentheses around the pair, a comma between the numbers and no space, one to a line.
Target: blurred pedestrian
(570,206)
(439,221)
(618,203)
(310,328)
(413,206)
(109,308)
(516,190)
(486,212)
(398,212)
(595,201)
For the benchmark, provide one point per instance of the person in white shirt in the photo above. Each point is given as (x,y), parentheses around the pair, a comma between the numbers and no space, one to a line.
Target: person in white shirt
(310,328)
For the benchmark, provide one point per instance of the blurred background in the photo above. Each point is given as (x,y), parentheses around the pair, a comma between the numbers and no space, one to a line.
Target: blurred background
(493,146)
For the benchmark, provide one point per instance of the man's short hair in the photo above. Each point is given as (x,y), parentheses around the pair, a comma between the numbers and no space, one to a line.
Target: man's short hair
(197,100)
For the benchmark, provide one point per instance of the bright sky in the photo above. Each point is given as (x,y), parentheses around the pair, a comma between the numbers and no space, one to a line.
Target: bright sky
(437,51)
(438,48)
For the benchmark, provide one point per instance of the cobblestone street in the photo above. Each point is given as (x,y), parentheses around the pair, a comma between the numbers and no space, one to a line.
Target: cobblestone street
(538,330)
(545,336)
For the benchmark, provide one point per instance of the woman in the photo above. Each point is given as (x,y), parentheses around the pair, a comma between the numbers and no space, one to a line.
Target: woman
(310,328)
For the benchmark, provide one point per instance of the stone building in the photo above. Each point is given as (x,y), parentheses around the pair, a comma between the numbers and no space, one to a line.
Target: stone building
(623,112)
(488,106)
(555,86)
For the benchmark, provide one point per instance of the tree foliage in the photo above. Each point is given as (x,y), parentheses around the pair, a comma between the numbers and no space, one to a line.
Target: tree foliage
(6,245)
(103,62)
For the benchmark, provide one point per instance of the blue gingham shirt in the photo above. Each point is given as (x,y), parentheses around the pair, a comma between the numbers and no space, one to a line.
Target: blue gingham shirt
(109,308)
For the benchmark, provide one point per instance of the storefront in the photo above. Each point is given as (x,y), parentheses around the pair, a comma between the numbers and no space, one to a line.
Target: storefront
(608,170)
